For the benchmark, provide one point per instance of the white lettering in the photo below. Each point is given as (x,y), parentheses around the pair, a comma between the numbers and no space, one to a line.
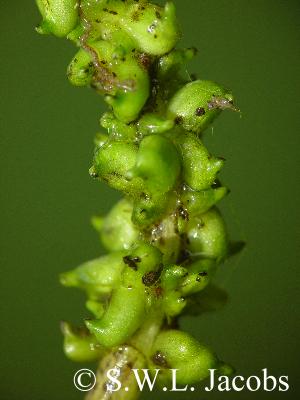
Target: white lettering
(146,379)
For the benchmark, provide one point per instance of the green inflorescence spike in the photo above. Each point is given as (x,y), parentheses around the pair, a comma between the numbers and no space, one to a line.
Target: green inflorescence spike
(166,237)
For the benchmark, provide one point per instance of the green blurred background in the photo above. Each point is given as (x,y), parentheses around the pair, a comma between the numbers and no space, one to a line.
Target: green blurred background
(47,198)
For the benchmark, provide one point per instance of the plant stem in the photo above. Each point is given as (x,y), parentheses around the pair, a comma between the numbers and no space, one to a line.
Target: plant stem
(121,361)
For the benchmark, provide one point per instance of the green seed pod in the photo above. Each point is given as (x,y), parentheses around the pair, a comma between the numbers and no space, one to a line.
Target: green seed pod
(199,167)
(125,314)
(171,277)
(173,304)
(120,76)
(186,280)
(97,277)
(154,29)
(147,210)
(157,163)
(197,203)
(207,236)
(127,308)
(92,11)
(173,301)
(79,346)
(153,124)
(59,16)
(198,103)
(128,102)
(142,260)
(199,276)
(112,163)
(169,64)
(81,69)
(177,350)
(117,231)
(116,129)
(101,20)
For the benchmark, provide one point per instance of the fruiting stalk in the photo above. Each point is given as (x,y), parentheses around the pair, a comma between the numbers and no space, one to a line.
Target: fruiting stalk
(166,237)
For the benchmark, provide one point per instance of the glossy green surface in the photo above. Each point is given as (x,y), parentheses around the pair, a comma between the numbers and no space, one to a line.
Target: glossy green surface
(182,352)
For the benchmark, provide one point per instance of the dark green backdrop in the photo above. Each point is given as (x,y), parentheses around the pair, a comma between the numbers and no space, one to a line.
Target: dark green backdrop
(47,197)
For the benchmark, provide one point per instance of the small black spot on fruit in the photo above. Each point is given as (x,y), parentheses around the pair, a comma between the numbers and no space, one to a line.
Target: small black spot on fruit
(200,111)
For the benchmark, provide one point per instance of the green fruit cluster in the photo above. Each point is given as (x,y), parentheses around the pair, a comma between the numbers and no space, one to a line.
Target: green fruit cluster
(166,237)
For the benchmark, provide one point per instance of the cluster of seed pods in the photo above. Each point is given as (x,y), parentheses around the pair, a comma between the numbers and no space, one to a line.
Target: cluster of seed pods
(166,237)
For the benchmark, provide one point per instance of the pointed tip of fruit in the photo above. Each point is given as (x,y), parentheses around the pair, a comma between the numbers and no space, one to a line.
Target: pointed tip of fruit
(68,279)
(90,324)
(65,328)
(97,222)
(93,173)
(42,28)
(170,7)
(221,192)
(218,163)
